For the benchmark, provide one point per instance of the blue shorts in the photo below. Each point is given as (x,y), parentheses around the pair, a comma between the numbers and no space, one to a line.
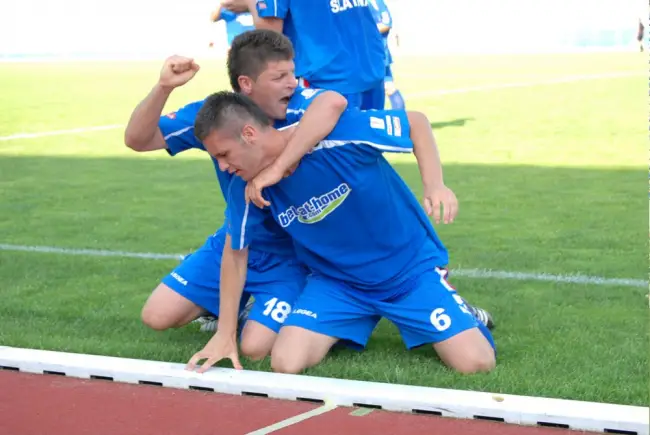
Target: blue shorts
(425,310)
(374,98)
(275,282)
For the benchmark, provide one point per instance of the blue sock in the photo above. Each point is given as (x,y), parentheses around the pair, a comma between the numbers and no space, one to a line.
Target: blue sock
(397,101)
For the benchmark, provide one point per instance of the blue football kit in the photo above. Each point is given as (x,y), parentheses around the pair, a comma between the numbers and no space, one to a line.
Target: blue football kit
(382,16)
(275,277)
(337,46)
(371,250)
(236,23)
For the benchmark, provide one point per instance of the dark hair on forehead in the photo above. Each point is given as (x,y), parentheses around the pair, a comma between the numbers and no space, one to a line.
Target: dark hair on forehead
(251,51)
(227,110)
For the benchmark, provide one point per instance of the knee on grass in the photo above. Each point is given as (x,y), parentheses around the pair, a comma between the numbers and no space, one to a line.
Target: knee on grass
(254,350)
(287,363)
(479,362)
(155,319)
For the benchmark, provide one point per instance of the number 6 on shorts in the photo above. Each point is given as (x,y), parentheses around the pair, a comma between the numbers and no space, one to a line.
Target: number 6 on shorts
(439,319)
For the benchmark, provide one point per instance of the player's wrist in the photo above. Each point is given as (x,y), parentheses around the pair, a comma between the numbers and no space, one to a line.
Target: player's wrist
(227,327)
(163,89)
(433,184)
(280,165)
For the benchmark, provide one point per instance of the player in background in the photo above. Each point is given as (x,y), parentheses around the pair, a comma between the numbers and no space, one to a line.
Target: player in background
(260,65)
(236,22)
(384,24)
(337,44)
(640,34)
(368,243)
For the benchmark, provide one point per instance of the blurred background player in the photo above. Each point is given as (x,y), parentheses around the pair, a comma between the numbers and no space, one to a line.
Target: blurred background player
(236,22)
(385,24)
(337,44)
(640,34)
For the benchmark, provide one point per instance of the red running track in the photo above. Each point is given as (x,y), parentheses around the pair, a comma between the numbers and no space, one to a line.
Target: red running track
(58,405)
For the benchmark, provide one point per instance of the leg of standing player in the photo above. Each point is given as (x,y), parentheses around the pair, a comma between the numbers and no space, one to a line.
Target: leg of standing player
(394,95)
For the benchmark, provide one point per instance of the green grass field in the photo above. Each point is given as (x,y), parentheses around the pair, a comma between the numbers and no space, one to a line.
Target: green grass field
(550,179)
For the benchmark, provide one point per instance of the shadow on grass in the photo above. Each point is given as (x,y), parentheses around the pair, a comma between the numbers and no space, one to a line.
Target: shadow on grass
(460,122)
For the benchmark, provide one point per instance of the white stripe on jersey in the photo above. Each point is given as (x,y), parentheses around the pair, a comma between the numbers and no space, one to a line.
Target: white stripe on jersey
(178,132)
(243,227)
(288,126)
(324,144)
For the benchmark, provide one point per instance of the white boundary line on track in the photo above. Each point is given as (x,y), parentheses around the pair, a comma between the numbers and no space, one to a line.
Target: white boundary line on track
(294,420)
(469,273)
(521,410)
(418,95)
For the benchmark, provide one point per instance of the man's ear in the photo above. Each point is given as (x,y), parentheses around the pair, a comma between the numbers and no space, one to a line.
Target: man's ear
(245,84)
(248,133)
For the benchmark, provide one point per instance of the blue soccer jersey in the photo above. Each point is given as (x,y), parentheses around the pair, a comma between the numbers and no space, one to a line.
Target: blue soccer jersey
(382,16)
(336,42)
(178,131)
(351,216)
(236,23)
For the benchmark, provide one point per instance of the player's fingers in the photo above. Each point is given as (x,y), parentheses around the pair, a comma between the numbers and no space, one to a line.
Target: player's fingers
(454,203)
(235,361)
(253,195)
(195,66)
(262,200)
(427,206)
(191,364)
(448,209)
(179,68)
(256,197)
(436,209)
(248,192)
(208,363)
(453,209)
(449,212)
(182,64)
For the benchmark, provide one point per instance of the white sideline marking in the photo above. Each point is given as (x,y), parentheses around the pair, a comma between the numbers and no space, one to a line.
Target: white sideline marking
(89,252)
(521,410)
(469,273)
(560,80)
(567,79)
(59,132)
(293,420)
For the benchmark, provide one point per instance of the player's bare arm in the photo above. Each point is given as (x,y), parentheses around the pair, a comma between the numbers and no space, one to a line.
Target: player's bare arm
(237,6)
(142,132)
(215,15)
(383,28)
(319,120)
(234,266)
(269,23)
(436,194)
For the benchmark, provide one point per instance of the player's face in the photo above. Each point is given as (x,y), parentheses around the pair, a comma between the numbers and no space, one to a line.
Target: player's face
(274,87)
(243,154)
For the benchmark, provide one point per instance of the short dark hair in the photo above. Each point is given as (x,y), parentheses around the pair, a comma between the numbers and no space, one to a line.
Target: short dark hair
(226,108)
(251,51)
